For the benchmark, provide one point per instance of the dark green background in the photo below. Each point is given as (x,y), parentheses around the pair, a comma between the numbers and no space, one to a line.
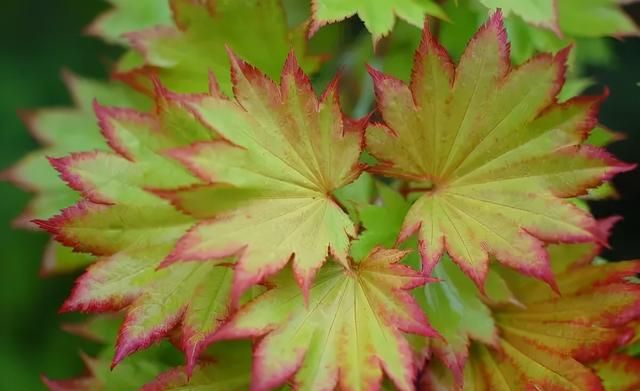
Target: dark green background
(38,39)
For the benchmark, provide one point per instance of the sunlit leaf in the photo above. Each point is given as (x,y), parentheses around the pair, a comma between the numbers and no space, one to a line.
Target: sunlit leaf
(346,334)
(491,154)
(378,15)
(127,16)
(285,152)
(184,54)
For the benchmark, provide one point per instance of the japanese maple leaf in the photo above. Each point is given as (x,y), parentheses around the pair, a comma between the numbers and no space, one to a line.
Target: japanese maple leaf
(61,131)
(98,375)
(456,310)
(133,230)
(494,152)
(346,333)
(619,372)
(182,55)
(378,15)
(596,18)
(127,16)
(546,319)
(227,368)
(284,152)
(634,344)
(453,304)
(544,342)
(542,13)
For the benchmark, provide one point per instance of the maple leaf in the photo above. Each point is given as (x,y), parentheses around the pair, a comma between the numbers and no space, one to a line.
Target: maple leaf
(599,18)
(453,304)
(634,344)
(52,127)
(619,372)
(133,230)
(130,375)
(381,223)
(182,55)
(61,131)
(128,16)
(227,368)
(544,341)
(99,376)
(284,152)
(568,256)
(573,17)
(456,310)
(378,15)
(347,332)
(542,13)
(495,152)
(546,319)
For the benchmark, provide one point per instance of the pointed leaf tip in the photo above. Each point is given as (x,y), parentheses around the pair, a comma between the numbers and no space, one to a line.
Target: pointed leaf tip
(480,172)
(377,290)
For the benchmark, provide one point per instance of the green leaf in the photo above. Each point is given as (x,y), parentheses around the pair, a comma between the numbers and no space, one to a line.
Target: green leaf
(600,136)
(619,372)
(545,340)
(356,195)
(490,153)
(576,18)
(283,155)
(127,16)
(129,376)
(59,259)
(536,12)
(453,303)
(133,230)
(184,54)
(596,18)
(345,333)
(228,370)
(378,15)
(456,311)
(61,131)
(382,223)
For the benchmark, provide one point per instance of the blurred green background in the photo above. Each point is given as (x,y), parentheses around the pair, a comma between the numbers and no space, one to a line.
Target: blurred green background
(40,38)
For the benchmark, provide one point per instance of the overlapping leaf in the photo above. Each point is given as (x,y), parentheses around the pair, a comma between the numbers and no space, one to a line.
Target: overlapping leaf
(543,343)
(99,376)
(621,370)
(61,131)
(378,15)
(128,16)
(634,344)
(182,55)
(133,230)
(346,333)
(492,152)
(571,324)
(227,368)
(619,373)
(456,310)
(453,304)
(285,152)
(381,222)
(596,18)
(537,12)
